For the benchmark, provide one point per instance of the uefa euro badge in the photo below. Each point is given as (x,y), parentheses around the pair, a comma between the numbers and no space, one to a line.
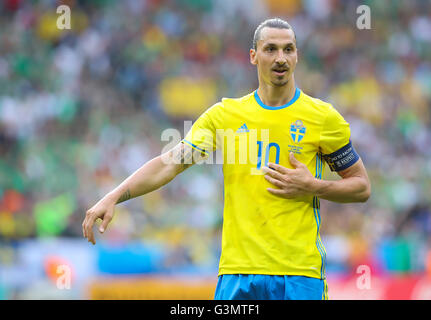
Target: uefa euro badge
(297,131)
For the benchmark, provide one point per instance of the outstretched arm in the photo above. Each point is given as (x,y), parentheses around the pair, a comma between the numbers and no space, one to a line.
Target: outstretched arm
(151,176)
(353,187)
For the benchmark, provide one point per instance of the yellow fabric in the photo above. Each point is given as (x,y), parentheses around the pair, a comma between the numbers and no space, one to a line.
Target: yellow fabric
(262,233)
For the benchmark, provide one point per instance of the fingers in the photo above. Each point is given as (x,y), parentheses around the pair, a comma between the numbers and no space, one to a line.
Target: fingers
(106,220)
(275,182)
(87,227)
(84,233)
(274,174)
(278,168)
(280,193)
(295,163)
(277,192)
(91,237)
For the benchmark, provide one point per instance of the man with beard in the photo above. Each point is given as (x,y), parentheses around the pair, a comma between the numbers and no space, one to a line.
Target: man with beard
(271,247)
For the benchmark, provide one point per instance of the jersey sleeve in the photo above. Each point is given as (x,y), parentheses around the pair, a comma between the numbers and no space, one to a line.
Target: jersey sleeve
(335,144)
(202,135)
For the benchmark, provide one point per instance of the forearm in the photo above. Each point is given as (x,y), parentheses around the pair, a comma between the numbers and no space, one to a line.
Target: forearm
(151,176)
(352,189)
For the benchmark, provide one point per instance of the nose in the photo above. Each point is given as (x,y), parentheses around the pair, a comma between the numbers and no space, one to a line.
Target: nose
(281,57)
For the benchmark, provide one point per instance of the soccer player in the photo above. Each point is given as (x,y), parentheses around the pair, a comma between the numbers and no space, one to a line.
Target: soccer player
(271,247)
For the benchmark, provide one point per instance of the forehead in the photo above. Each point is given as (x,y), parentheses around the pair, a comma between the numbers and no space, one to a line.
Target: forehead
(277,36)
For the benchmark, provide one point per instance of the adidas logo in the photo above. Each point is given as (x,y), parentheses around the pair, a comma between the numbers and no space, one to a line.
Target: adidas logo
(243,128)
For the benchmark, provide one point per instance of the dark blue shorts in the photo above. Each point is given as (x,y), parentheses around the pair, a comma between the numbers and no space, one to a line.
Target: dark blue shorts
(269,287)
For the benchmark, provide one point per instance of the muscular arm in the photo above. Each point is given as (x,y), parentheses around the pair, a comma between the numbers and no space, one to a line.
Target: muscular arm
(151,176)
(154,174)
(353,187)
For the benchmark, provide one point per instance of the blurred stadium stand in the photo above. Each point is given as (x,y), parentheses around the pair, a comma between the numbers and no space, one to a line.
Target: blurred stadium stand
(81,109)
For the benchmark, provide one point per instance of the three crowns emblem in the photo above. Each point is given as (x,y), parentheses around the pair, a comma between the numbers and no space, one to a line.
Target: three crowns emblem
(297,131)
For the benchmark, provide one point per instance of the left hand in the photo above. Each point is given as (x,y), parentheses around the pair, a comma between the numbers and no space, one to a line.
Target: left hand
(291,182)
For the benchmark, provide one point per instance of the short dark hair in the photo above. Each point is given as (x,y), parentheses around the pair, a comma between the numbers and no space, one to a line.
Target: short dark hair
(270,23)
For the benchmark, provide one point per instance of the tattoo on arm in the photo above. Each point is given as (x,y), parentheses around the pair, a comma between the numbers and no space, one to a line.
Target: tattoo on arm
(183,155)
(124,197)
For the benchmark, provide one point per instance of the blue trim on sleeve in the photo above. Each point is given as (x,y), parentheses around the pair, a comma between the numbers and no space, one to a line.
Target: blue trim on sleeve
(342,158)
(195,146)
(295,97)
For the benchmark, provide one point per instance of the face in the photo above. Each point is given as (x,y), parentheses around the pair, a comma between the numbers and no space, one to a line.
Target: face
(275,56)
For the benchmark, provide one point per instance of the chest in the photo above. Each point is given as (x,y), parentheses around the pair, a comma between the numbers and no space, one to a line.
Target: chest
(273,134)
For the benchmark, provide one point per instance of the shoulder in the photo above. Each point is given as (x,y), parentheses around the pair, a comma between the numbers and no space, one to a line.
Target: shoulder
(316,103)
(325,110)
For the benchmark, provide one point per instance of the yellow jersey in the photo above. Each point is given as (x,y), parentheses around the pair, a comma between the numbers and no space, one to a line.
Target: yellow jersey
(263,233)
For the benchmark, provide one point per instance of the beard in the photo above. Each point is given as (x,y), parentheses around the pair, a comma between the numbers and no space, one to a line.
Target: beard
(280,82)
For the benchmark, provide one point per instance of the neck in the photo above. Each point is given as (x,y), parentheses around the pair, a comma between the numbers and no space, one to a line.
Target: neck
(276,96)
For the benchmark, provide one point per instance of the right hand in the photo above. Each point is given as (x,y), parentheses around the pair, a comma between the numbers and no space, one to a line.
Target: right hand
(104,209)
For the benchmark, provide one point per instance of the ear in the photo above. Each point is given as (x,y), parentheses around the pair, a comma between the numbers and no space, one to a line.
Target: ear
(253,59)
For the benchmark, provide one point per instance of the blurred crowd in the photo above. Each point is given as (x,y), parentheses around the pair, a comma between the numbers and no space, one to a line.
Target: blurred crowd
(82,109)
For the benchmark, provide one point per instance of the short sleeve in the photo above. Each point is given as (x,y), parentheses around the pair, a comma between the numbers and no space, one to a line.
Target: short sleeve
(335,144)
(202,135)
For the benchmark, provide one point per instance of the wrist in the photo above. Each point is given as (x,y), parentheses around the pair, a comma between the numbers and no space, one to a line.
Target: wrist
(113,196)
(315,186)
(120,194)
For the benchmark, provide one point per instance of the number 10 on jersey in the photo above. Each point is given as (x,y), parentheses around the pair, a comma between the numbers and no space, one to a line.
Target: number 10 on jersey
(267,148)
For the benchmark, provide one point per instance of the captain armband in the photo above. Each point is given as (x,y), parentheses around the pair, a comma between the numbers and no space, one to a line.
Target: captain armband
(342,158)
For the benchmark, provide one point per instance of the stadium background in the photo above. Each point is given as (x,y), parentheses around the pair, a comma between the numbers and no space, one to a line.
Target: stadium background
(81,109)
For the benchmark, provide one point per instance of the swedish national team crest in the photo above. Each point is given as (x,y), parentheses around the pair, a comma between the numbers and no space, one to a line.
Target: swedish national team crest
(297,131)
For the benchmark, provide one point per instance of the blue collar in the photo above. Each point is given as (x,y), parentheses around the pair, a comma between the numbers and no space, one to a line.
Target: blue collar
(295,97)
